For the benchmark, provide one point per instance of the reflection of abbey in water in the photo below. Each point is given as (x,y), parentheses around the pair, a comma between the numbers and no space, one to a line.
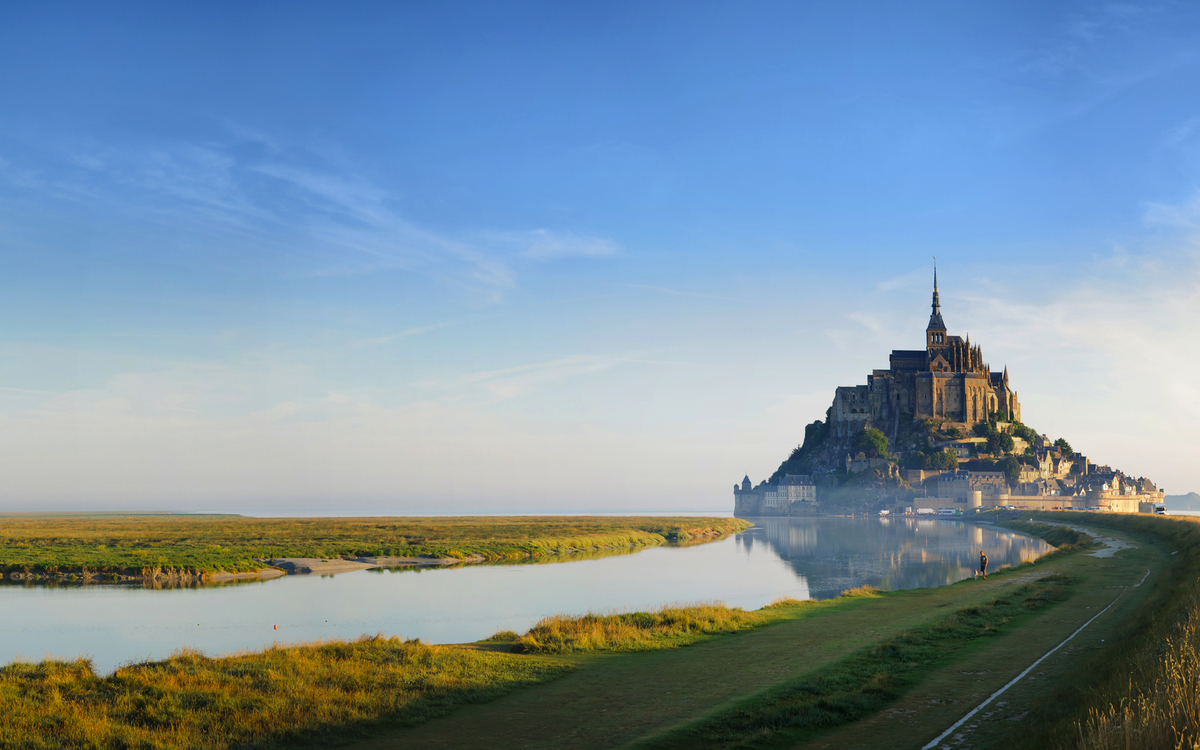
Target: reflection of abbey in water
(833,554)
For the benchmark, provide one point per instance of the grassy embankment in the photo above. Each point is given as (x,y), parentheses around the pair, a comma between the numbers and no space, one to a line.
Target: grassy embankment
(134,544)
(864,682)
(282,697)
(1131,680)
(315,694)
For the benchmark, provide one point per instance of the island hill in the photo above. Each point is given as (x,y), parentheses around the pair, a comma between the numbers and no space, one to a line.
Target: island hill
(937,429)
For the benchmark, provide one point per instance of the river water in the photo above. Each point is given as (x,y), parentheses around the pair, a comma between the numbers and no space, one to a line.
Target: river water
(798,557)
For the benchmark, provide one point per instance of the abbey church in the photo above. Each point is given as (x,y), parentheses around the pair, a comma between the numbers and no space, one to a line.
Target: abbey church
(947,380)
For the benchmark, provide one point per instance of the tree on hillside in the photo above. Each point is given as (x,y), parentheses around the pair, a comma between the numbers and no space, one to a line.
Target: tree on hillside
(982,429)
(1011,468)
(1025,433)
(999,442)
(946,460)
(871,442)
(1065,447)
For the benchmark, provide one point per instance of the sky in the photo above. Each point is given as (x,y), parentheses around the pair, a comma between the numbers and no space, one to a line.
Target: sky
(537,257)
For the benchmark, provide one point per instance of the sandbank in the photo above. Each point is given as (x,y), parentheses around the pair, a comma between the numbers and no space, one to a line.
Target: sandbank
(325,566)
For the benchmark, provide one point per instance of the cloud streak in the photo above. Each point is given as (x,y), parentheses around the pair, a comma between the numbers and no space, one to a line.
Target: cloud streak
(681,293)
(418,331)
(327,217)
(542,244)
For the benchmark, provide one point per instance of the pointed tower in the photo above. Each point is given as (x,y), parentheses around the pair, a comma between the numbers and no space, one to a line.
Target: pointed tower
(935,332)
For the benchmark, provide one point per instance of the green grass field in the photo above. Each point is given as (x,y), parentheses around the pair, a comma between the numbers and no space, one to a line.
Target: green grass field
(134,543)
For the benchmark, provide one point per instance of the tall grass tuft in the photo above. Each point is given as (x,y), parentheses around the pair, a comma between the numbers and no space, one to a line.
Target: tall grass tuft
(1162,708)
(787,601)
(861,591)
(665,627)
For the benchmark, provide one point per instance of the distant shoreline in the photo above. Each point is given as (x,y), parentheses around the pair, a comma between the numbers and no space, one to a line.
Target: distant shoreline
(181,550)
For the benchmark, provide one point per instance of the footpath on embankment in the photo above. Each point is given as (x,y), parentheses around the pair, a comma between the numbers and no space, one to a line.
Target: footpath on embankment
(629,700)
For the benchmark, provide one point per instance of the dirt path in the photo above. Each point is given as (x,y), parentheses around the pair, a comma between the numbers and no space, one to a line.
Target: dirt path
(620,698)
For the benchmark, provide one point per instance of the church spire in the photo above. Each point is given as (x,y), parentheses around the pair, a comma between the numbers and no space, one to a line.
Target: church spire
(937,305)
(935,318)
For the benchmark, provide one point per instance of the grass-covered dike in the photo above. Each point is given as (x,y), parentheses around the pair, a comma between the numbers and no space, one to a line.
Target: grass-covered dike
(314,695)
(137,545)
(863,682)
(1144,690)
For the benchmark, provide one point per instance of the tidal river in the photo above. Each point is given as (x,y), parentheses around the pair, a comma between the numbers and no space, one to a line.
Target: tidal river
(800,557)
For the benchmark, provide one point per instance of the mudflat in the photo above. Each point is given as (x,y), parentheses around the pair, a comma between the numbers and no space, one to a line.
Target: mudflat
(324,566)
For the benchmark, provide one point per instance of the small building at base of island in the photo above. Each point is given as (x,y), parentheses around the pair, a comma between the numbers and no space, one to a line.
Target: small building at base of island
(795,494)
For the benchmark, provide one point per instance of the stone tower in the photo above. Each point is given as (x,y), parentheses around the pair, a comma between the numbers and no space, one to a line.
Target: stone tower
(935,332)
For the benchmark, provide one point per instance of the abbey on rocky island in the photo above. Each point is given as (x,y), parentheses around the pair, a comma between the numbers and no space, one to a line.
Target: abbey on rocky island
(947,380)
(929,409)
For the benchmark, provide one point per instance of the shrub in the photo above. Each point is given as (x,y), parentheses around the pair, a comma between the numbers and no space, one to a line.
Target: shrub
(871,442)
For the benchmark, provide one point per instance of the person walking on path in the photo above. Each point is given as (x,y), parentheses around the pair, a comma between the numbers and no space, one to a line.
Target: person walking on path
(983,564)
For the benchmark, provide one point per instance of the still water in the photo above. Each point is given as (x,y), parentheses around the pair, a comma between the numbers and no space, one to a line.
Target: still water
(799,557)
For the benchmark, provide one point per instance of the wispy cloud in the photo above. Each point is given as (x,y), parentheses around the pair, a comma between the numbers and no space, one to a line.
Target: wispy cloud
(380,340)
(1181,133)
(913,278)
(1185,215)
(510,382)
(516,381)
(285,198)
(681,293)
(542,244)
(10,389)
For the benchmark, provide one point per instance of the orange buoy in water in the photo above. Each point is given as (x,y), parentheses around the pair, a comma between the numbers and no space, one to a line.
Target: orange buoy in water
(277,627)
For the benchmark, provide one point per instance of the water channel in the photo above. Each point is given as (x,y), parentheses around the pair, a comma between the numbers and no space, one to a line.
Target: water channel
(799,557)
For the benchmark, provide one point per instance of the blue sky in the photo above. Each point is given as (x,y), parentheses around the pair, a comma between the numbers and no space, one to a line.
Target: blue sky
(481,257)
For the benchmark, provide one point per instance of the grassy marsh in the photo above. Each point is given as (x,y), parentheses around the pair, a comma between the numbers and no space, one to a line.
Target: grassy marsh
(134,543)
